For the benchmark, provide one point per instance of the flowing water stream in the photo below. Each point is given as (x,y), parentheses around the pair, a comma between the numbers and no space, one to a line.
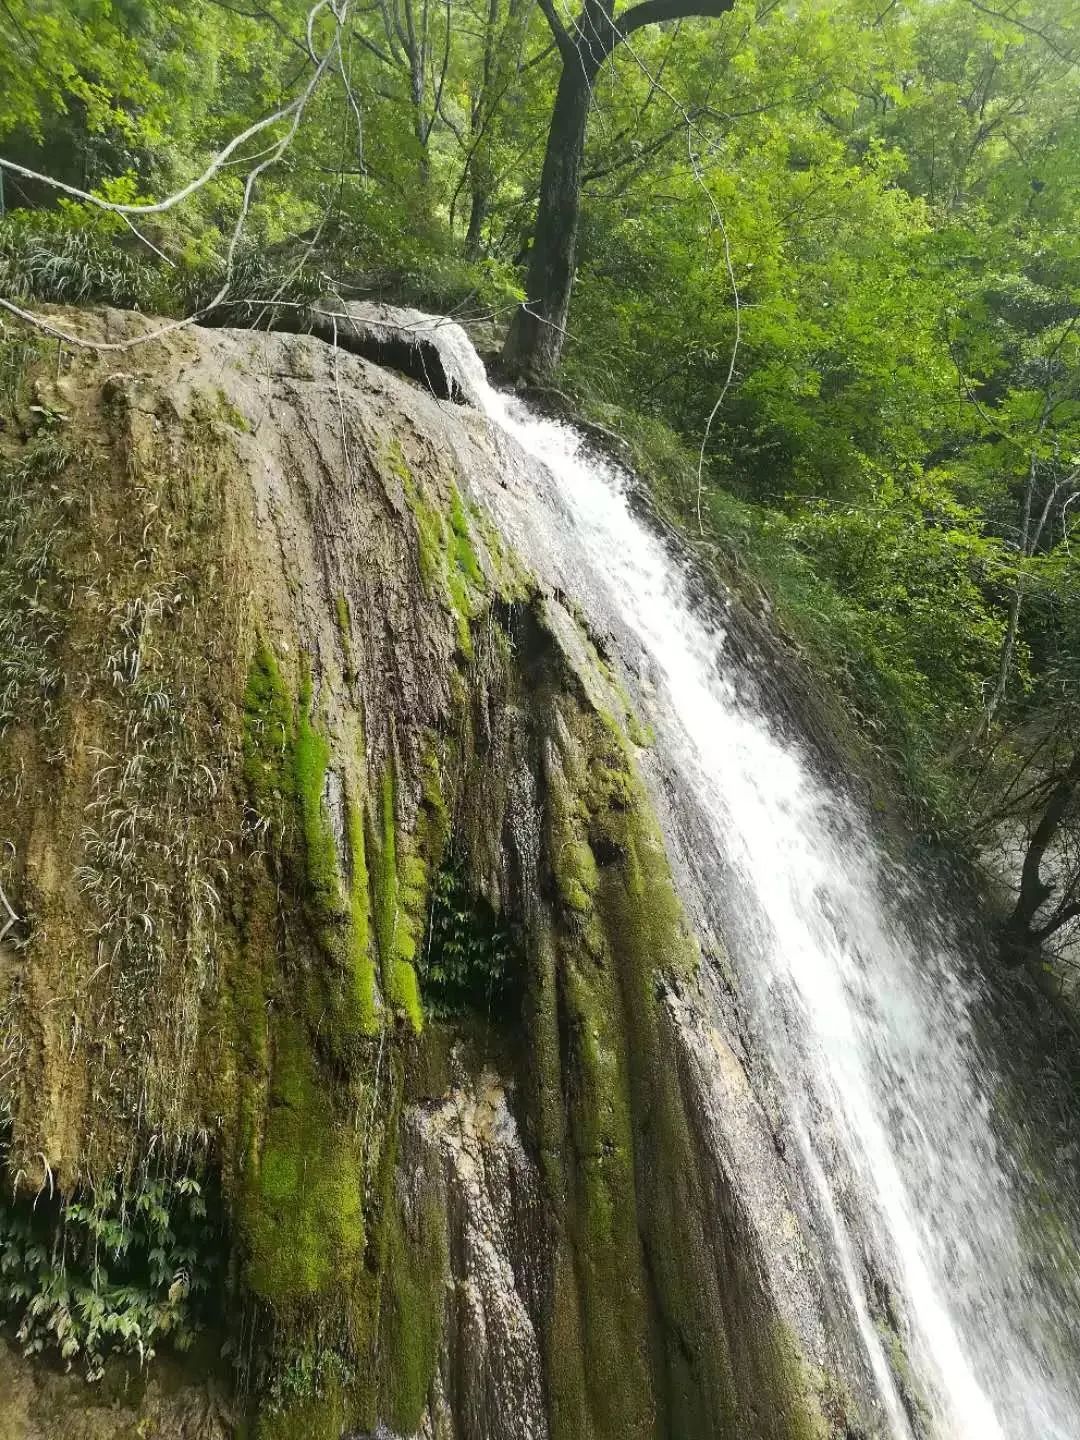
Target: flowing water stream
(868,1018)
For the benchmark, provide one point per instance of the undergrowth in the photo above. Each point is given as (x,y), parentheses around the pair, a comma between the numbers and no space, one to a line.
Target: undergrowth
(75,256)
(43,256)
(309,1374)
(110,1270)
(155,844)
(261,288)
(467,963)
(69,257)
(33,510)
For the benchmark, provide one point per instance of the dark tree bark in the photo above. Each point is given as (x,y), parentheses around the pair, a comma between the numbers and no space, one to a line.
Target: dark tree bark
(534,343)
(478,208)
(1022,935)
(535,340)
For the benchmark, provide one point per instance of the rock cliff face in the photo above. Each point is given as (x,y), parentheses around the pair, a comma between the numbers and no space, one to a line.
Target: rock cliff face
(350,1042)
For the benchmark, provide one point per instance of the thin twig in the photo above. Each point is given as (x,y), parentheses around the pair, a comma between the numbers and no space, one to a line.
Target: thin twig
(12,919)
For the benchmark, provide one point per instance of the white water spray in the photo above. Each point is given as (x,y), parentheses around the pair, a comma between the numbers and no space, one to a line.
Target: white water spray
(869,1029)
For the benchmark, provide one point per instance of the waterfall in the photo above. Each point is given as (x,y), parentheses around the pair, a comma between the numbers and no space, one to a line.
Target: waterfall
(867,1016)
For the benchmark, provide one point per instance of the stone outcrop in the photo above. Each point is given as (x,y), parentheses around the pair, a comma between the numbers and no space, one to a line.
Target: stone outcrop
(431,349)
(350,1012)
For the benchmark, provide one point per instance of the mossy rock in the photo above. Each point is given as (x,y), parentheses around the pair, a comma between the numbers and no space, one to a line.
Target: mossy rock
(298,692)
(304,1218)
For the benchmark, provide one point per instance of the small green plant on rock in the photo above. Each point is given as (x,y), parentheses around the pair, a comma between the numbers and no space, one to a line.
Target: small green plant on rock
(309,1375)
(33,579)
(110,1270)
(467,963)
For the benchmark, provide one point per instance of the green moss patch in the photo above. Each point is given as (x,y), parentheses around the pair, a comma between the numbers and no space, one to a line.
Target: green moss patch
(304,1223)
(343,615)
(311,761)
(447,559)
(399,892)
(413,1306)
(269,739)
(287,758)
(644,1337)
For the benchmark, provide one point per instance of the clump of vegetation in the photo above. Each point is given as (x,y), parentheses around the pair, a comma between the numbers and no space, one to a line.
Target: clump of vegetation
(467,962)
(18,351)
(118,1268)
(261,288)
(74,256)
(307,1375)
(33,614)
(64,258)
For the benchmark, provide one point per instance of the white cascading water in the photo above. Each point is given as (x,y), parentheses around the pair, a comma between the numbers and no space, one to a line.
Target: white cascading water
(869,1029)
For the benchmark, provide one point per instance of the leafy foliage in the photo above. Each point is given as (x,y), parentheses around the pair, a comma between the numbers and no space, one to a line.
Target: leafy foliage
(48,257)
(108,1270)
(261,288)
(72,257)
(32,574)
(308,1374)
(467,963)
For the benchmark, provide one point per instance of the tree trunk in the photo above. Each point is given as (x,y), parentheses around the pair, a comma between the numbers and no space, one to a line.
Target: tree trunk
(474,236)
(535,340)
(1021,936)
(478,164)
(534,343)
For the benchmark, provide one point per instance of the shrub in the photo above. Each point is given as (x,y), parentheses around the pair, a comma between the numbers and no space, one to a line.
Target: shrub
(467,962)
(108,1270)
(63,259)
(262,287)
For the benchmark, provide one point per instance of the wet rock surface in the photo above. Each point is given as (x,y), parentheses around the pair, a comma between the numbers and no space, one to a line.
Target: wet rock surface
(306,673)
(430,349)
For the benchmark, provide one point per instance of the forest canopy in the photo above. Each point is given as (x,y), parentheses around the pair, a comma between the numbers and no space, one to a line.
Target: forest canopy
(826,284)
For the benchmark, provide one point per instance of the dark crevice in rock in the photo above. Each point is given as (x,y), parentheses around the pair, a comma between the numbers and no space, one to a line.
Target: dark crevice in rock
(412,344)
